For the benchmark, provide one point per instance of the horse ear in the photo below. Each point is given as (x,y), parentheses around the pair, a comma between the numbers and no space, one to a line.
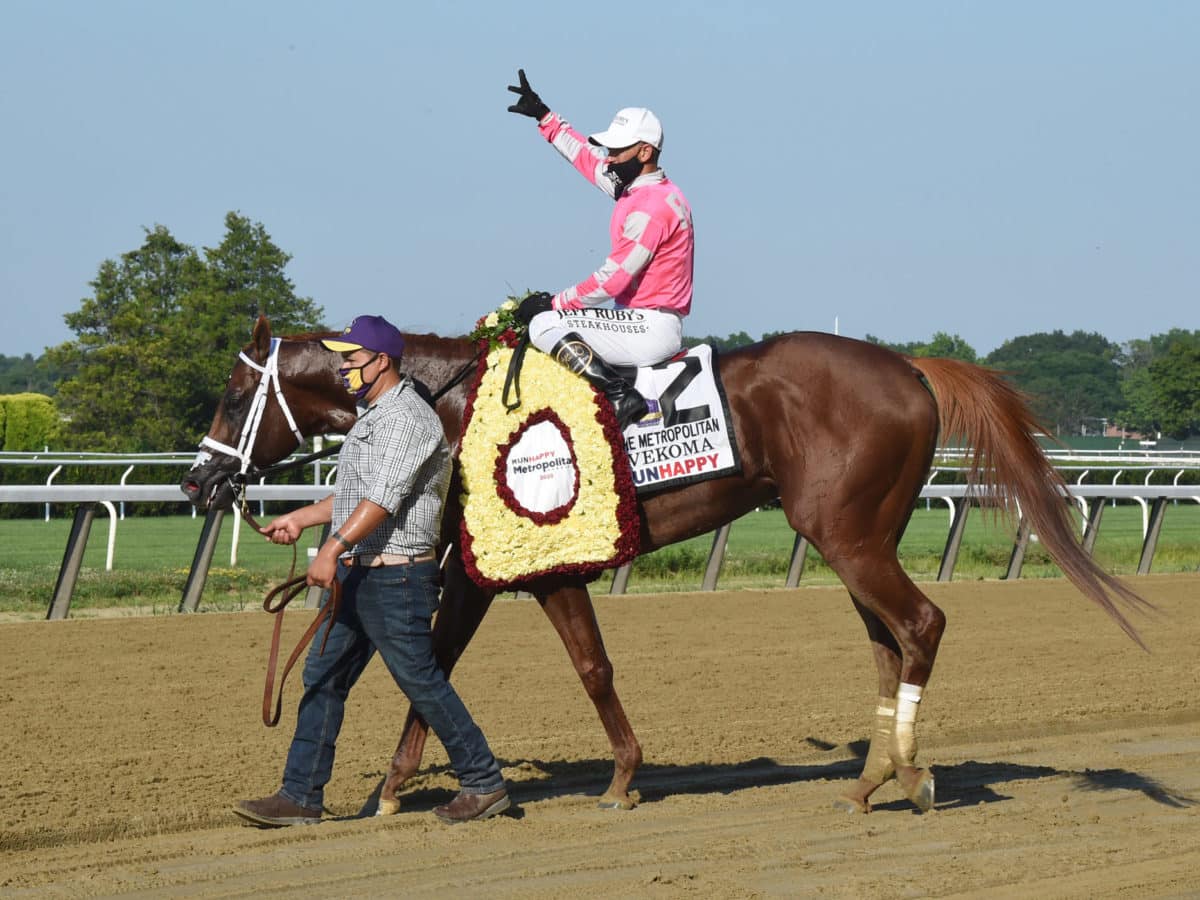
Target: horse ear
(262,338)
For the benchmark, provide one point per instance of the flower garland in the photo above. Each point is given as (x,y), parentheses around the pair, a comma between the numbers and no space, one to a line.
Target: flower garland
(501,326)
(502,543)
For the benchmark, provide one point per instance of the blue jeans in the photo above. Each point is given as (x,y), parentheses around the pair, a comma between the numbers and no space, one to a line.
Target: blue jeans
(389,609)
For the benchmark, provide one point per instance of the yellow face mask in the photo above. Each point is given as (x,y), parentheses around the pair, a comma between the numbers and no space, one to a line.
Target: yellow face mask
(352,378)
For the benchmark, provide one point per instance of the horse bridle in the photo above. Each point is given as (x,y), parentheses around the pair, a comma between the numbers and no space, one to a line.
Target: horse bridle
(268,383)
(269,377)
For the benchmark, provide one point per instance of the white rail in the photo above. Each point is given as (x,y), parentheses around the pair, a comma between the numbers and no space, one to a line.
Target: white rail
(89,496)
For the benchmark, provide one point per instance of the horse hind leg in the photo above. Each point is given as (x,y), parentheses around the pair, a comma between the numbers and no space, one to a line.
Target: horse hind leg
(878,767)
(915,626)
(570,611)
(404,764)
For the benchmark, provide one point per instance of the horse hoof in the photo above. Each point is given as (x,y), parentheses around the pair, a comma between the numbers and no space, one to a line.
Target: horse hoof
(610,802)
(922,792)
(852,805)
(387,807)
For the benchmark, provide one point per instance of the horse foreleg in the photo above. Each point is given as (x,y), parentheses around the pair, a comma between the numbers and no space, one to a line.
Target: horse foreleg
(570,611)
(462,609)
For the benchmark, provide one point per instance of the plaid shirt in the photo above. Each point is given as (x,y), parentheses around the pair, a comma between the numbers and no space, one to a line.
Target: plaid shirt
(395,456)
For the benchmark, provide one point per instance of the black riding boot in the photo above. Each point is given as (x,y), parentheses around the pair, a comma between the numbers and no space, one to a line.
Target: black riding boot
(574,353)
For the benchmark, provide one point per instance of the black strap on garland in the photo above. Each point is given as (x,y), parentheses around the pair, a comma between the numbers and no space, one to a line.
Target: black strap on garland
(512,378)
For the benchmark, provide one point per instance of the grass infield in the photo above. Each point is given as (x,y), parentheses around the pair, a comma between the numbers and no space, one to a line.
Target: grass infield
(153,555)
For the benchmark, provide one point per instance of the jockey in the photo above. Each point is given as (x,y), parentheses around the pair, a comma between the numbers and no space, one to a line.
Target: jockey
(648,272)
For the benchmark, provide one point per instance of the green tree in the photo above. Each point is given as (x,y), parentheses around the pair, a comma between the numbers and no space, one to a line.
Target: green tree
(942,344)
(1161,385)
(950,346)
(156,340)
(122,394)
(243,278)
(1069,377)
(730,342)
(23,374)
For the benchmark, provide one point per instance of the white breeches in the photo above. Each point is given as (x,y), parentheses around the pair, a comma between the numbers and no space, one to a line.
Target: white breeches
(622,337)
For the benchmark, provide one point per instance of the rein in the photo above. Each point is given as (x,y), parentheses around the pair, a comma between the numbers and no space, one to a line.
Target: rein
(291,589)
(287,591)
(459,376)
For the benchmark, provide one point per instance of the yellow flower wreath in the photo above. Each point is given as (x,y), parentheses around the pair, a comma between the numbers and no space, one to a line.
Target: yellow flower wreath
(506,546)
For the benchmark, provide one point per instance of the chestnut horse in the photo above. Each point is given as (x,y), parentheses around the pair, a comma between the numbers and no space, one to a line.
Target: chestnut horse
(841,431)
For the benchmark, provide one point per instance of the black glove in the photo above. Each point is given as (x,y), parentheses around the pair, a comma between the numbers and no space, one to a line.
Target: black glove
(537,302)
(529,104)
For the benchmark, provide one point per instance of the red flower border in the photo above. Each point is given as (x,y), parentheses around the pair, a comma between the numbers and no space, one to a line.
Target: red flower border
(505,493)
(629,520)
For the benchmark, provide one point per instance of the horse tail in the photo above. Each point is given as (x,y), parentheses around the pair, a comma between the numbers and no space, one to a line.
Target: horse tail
(994,421)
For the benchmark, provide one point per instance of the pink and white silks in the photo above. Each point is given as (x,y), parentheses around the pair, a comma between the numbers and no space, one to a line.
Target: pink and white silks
(647,274)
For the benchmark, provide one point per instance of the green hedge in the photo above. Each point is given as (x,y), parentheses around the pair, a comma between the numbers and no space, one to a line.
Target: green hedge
(27,421)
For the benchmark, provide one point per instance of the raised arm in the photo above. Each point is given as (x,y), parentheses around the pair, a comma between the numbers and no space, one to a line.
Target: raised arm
(590,161)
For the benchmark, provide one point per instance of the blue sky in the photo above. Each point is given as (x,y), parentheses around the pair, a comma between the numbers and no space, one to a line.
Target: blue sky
(983,169)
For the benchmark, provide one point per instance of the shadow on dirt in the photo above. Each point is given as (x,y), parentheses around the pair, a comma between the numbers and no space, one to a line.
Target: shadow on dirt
(1123,780)
(962,785)
(972,782)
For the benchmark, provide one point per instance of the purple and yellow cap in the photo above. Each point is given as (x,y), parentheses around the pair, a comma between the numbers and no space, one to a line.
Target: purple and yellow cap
(373,333)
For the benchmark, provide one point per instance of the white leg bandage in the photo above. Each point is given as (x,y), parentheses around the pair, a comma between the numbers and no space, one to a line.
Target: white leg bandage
(904,738)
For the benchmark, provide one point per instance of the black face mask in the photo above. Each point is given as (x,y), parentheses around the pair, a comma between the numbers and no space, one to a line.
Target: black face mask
(623,173)
(352,379)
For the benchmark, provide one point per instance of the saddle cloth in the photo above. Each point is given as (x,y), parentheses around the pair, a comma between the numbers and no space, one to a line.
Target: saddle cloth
(688,435)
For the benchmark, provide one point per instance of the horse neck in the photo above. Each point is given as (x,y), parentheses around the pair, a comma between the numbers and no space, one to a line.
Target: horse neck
(432,360)
(435,362)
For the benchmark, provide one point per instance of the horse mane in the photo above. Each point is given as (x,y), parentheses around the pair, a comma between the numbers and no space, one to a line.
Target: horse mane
(427,342)
(421,342)
(309,336)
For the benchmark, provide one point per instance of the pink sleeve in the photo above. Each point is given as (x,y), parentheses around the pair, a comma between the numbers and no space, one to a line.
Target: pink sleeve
(588,159)
(641,235)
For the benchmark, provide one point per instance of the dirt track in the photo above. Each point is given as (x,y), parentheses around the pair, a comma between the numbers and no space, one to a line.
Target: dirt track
(1067,759)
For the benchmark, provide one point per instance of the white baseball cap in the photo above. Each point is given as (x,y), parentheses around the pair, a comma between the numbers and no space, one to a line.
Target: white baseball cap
(631,126)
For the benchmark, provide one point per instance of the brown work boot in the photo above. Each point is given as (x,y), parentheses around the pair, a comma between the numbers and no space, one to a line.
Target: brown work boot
(466,807)
(276,811)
